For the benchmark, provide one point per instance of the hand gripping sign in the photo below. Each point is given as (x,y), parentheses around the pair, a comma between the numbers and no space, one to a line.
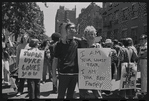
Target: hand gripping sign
(31,64)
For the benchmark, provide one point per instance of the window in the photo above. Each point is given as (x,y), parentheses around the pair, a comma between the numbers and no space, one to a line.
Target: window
(116,34)
(134,33)
(145,9)
(116,17)
(125,12)
(110,4)
(116,4)
(105,6)
(145,29)
(134,13)
(124,33)
(110,17)
(112,35)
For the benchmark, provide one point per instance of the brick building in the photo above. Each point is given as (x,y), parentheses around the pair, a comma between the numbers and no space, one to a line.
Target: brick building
(63,14)
(124,19)
(92,15)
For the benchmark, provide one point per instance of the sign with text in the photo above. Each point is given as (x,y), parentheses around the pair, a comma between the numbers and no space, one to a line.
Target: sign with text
(31,64)
(128,76)
(94,68)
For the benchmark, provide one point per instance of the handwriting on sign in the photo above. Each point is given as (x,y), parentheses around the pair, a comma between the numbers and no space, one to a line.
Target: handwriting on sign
(29,60)
(95,52)
(33,54)
(31,64)
(92,69)
(94,84)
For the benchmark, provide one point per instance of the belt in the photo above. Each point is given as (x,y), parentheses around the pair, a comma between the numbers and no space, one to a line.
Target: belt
(68,73)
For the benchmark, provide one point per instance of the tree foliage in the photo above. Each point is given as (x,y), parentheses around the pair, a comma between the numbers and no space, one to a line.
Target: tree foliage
(21,17)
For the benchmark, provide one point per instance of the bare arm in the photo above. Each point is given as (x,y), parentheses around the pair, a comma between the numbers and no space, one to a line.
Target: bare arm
(11,45)
(54,66)
(18,56)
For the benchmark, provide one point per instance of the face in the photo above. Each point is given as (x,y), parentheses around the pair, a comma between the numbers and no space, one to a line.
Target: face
(90,35)
(25,38)
(71,31)
(143,41)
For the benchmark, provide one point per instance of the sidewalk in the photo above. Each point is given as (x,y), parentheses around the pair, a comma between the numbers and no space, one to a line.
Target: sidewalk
(45,92)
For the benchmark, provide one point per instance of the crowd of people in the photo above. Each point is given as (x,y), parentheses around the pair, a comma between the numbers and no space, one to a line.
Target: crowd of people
(61,63)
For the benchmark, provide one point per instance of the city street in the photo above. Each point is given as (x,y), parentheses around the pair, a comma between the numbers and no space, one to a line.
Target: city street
(46,92)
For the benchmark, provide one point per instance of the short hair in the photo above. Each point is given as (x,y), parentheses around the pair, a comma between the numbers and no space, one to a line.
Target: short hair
(68,25)
(90,29)
(115,41)
(22,39)
(55,36)
(33,43)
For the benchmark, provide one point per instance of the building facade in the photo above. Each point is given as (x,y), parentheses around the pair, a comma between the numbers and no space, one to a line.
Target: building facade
(62,15)
(124,19)
(92,15)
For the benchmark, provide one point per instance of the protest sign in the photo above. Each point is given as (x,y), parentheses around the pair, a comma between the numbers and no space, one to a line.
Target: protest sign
(94,68)
(128,76)
(31,64)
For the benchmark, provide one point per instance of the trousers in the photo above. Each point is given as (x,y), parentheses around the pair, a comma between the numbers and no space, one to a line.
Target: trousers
(34,88)
(66,82)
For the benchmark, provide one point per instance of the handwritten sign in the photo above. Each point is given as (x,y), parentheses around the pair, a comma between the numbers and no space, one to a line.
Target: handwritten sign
(128,76)
(31,64)
(94,68)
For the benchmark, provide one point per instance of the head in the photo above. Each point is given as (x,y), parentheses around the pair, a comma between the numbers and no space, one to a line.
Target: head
(55,36)
(34,43)
(25,39)
(108,43)
(130,41)
(44,43)
(115,42)
(70,30)
(90,33)
(126,42)
(120,44)
(143,39)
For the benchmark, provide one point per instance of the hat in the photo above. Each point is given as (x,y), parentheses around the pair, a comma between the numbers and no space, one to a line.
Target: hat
(33,42)
(143,36)
(108,41)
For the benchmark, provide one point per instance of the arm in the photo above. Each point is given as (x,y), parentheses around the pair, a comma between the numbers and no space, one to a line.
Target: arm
(17,56)
(54,66)
(10,42)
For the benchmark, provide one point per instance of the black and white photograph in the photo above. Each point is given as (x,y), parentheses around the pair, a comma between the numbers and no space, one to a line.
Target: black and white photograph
(74,50)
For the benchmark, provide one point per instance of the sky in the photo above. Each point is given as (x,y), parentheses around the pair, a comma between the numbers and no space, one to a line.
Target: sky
(50,12)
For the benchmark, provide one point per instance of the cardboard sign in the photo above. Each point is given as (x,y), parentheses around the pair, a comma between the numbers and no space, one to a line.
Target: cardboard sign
(94,68)
(31,64)
(128,76)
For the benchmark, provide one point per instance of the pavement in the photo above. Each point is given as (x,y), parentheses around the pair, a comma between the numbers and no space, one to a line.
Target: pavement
(45,92)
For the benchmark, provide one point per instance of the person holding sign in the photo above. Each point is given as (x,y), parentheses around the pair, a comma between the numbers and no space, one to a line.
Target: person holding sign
(129,58)
(23,45)
(65,58)
(89,36)
(34,84)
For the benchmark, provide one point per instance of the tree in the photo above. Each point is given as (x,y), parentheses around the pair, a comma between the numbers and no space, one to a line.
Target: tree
(22,17)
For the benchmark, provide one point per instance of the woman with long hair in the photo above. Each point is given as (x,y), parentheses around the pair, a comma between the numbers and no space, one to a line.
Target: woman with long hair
(5,62)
